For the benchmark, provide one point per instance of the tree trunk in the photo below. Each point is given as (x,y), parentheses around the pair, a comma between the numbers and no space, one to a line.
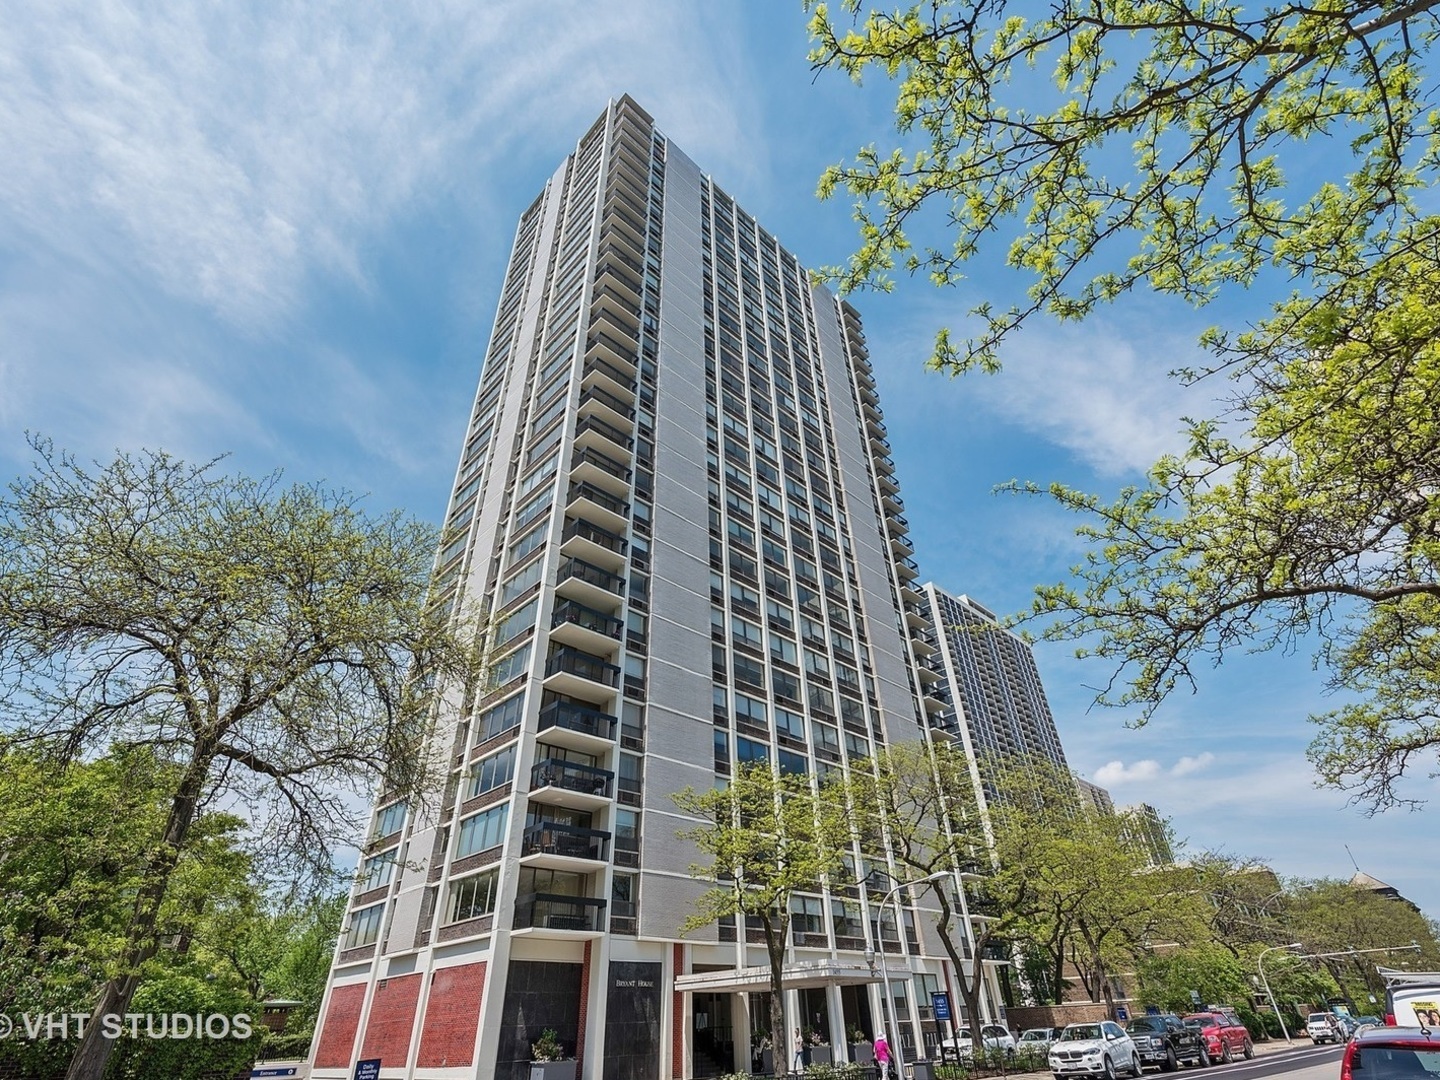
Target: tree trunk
(142,941)
(969,988)
(780,1039)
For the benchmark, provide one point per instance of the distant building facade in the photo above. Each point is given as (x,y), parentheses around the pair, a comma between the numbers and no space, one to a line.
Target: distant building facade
(1094,796)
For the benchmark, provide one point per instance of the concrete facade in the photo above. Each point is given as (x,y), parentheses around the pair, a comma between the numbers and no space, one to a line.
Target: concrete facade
(677,506)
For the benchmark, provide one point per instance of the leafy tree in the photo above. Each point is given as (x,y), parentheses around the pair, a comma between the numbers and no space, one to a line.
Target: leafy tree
(273,646)
(1186,148)
(1335,917)
(72,841)
(919,805)
(768,835)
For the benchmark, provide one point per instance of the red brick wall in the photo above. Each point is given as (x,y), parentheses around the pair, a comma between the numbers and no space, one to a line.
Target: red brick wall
(677,1020)
(392,1019)
(584,1013)
(452,1015)
(337,1033)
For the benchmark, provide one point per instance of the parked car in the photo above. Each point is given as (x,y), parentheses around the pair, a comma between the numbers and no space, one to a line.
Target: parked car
(1371,1021)
(994,1038)
(1225,1037)
(1164,1040)
(1324,1027)
(1391,1053)
(1038,1039)
(1102,1049)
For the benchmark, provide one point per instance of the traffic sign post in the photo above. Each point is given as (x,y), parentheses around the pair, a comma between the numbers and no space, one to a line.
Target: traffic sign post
(940,1007)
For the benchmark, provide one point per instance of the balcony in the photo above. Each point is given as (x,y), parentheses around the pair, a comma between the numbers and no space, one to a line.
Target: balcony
(592,585)
(605,509)
(568,783)
(888,485)
(596,545)
(608,377)
(908,568)
(917,617)
(592,433)
(571,671)
(577,726)
(615,276)
(584,627)
(563,847)
(595,467)
(902,546)
(550,915)
(607,407)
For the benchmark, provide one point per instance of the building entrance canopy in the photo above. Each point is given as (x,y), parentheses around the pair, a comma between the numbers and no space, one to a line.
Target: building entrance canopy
(797,976)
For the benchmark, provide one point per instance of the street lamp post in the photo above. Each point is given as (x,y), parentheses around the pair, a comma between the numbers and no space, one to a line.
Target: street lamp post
(1266,983)
(889,1004)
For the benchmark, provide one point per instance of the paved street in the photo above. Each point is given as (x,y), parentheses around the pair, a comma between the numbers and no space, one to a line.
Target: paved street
(1299,1061)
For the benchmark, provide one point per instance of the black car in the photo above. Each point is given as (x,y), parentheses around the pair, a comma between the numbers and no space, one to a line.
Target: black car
(1164,1040)
(1392,1053)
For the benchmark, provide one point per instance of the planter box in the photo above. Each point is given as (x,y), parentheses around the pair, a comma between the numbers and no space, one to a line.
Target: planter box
(820,1055)
(552,1070)
(863,1053)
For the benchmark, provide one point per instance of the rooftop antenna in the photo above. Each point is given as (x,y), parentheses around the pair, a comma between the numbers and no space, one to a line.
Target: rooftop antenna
(1352,858)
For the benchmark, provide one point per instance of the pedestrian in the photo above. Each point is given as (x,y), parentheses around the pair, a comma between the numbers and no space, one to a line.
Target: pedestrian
(799,1062)
(882,1055)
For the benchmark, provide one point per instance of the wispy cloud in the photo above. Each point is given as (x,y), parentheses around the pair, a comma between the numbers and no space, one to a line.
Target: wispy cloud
(1187,765)
(1101,391)
(228,151)
(1116,773)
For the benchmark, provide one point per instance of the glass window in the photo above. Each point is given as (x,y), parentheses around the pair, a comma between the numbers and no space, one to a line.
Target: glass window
(365,926)
(378,870)
(483,830)
(521,581)
(747,751)
(390,820)
(472,897)
(791,762)
(490,772)
(512,665)
(500,718)
(516,623)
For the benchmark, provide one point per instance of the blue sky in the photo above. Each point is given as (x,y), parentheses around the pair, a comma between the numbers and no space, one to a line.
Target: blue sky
(278,231)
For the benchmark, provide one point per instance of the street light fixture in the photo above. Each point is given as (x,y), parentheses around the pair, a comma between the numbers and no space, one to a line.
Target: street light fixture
(1266,983)
(897,1050)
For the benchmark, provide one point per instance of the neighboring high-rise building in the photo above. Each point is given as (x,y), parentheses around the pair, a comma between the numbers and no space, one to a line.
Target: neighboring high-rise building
(1143,825)
(676,500)
(1094,796)
(991,689)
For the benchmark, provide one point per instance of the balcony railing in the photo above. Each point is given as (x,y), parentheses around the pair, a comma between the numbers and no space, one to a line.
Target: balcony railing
(572,841)
(588,530)
(609,431)
(581,570)
(604,462)
(554,912)
(599,497)
(589,618)
(578,718)
(571,776)
(574,662)
(610,401)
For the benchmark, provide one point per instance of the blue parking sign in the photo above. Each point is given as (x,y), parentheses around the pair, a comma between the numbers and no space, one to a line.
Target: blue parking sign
(369,1069)
(940,1002)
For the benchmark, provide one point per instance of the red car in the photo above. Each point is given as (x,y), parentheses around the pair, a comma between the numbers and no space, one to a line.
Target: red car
(1391,1053)
(1225,1037)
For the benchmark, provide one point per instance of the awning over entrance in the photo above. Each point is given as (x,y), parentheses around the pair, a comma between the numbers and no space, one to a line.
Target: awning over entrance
(797,976)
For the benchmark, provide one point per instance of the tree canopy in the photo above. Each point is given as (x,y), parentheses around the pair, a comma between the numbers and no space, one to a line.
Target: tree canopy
(274,647)
(767,836)
(1186,148)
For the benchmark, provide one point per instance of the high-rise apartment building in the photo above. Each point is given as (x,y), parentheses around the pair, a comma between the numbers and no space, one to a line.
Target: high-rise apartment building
(994,702)
(1143,826)
(1093,796)
(677,502)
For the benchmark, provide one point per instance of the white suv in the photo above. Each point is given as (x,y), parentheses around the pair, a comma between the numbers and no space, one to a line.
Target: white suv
(1102,1049)
(993,1038)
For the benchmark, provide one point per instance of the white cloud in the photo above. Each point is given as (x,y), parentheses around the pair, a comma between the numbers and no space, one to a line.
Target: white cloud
(1101,391)
(1114,773)
(1187,765)
(227,152)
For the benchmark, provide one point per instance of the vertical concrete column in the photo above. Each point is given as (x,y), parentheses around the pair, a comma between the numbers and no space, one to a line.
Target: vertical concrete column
(740,1025)
(839,1039)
